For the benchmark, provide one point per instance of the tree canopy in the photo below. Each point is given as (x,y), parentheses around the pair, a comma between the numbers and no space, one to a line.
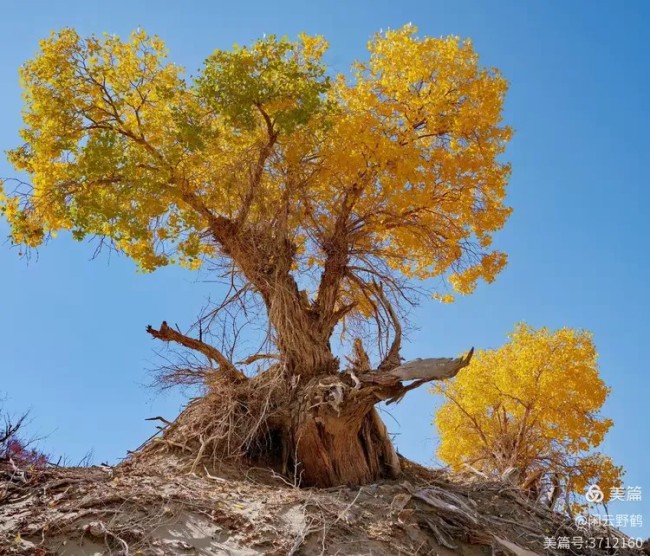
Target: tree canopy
(269,162)
(532,407)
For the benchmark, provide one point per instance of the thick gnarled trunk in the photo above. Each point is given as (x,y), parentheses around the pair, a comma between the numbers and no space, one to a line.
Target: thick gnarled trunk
(342,450)
(336,436)
(320,426)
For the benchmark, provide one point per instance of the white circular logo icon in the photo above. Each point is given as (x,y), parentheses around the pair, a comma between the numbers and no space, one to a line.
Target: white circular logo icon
(594,494)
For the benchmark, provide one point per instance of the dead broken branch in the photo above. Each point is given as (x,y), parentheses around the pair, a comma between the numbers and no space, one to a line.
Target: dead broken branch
(389,385)
(168,334)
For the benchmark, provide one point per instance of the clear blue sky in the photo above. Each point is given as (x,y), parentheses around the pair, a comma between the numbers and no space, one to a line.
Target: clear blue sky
(72,343)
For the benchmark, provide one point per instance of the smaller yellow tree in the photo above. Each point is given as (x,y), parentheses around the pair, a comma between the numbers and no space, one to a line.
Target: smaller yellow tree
(530,411)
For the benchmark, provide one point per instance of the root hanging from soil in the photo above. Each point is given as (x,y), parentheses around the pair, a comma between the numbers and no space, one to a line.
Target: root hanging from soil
(232,422)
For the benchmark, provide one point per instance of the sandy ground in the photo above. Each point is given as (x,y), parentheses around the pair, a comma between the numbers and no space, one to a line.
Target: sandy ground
(157,510)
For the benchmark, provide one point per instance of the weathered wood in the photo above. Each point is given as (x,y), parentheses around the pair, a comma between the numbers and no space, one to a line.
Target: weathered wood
(337,433)
(432,368)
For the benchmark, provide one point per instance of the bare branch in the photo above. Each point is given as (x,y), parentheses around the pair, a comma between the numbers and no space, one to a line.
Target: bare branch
(168,334)
(433,368)
(257,357)
(389,385)
(392,358)
(360,361)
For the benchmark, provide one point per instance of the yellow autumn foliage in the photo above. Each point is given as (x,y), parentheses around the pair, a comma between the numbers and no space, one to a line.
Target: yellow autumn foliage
(119,143)
(531,406)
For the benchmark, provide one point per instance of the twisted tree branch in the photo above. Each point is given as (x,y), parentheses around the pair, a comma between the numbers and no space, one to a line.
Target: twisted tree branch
(168,334)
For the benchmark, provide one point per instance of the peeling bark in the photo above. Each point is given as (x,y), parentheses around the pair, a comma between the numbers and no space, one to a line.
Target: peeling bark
(332,450)
(337,434)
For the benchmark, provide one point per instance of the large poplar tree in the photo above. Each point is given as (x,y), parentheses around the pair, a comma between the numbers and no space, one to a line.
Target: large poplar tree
(324,196)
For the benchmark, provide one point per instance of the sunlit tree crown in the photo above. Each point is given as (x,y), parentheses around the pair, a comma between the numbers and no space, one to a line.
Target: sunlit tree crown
(396,164)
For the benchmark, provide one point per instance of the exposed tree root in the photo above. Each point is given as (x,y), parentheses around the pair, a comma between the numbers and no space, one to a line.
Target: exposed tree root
(325,432)
(156,509)
(233,421)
